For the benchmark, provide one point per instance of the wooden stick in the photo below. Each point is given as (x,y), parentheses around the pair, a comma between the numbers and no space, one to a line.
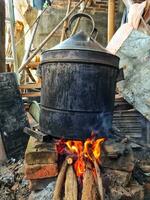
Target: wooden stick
(65,22)
(71,187)
(60,182)
(48,37)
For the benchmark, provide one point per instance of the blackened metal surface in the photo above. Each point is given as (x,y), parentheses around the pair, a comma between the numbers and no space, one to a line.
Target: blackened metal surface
(80,48)
(80,41)
(77,99)
(12,115)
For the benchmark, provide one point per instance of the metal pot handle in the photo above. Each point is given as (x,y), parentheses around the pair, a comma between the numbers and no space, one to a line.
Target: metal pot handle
(94,31)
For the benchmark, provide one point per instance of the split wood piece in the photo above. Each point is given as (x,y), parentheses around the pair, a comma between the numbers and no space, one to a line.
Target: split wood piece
(65,22)
(99,179)
(71,186)
(98,173)
(89,191)
(60,181)
(48,37)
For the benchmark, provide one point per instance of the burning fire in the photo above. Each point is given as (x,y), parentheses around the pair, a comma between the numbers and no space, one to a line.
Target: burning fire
(80,151)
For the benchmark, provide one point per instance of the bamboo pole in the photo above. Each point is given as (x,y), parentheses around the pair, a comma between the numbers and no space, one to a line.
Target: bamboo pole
(111,19)
(65,22)
(48,37)
(3,156)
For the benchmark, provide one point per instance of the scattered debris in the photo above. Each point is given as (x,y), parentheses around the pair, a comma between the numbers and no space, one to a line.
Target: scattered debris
(13,186)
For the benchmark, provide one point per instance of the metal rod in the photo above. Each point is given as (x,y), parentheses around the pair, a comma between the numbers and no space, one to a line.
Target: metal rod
(48,37)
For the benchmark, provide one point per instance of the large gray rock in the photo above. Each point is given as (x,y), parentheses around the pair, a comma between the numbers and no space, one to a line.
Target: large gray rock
(135,61)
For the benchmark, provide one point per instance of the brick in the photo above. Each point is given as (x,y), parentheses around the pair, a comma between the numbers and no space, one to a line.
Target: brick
(40,171)
(40,153)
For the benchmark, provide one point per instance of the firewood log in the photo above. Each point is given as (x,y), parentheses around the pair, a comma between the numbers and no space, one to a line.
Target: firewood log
(89,191)
(99,179)
(60,182)
(98,174)
(71,187)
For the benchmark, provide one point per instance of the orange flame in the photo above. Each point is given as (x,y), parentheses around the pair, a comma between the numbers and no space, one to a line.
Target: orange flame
(81,151)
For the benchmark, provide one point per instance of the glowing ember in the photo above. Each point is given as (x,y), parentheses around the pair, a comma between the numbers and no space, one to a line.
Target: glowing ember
(81,151)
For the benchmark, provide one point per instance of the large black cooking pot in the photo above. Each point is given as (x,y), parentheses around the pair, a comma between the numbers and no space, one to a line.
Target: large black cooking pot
(78,87)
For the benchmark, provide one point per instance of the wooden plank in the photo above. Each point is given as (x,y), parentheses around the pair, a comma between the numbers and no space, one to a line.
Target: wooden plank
(30,86)
(31,94)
